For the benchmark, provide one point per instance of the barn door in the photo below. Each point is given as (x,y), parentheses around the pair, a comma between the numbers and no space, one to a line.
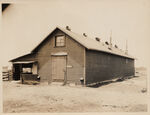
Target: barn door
(58,68)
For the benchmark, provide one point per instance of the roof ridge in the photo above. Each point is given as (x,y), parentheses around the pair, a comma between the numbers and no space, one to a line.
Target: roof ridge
(89,43)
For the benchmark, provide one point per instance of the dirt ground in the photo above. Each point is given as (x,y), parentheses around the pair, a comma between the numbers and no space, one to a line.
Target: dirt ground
(127,96)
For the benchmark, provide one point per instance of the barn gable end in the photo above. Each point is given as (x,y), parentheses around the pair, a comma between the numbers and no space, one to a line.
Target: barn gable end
(73,51)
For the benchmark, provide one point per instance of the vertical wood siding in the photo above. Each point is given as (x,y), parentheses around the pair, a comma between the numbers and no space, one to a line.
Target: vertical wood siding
(102,66)
(58,68)
(75,58)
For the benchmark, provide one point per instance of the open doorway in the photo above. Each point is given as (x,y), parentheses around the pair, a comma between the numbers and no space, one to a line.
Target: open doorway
(16,71)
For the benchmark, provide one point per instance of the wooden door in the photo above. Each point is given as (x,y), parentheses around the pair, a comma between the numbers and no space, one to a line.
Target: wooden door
(58,68)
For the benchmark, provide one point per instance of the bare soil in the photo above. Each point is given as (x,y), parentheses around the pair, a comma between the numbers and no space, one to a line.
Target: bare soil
(129,95)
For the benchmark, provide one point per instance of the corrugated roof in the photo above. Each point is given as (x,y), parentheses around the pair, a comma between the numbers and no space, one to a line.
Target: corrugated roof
(91,44)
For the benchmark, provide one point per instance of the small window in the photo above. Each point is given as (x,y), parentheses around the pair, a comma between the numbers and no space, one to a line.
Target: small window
(60,41)
(26,70)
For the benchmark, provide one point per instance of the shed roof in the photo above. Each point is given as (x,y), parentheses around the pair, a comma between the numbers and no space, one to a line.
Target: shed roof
(23,56)
(90,43)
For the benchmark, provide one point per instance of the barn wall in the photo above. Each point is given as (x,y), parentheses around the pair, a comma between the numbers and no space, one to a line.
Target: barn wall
(75,58)
(102,66)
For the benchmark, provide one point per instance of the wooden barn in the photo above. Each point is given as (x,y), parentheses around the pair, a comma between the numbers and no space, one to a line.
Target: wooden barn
(66,57)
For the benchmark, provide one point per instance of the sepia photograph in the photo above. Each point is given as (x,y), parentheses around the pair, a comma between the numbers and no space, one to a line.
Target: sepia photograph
(75,56)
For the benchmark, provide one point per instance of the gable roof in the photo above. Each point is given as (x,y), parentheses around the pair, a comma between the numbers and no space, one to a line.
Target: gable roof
(89,43)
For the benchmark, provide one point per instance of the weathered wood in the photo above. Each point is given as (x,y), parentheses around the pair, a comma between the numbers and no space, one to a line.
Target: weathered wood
(102,66)
(58,67)
(74,53)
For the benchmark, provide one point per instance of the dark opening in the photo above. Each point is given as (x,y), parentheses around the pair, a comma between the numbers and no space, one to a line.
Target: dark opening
(4,6)
(21,68)
(16,72)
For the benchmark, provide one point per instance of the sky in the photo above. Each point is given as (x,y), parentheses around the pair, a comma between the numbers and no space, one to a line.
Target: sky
(24,25)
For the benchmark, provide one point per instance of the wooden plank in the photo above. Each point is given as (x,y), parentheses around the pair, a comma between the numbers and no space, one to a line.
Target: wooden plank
(58,67)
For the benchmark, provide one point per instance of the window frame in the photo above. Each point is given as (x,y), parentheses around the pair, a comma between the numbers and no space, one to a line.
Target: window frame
(26,71)
(60,42)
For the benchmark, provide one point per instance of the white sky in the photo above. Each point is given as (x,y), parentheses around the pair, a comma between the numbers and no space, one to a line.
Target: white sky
(26,24)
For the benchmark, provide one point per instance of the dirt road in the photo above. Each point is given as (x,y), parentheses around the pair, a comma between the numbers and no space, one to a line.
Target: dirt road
(126,96)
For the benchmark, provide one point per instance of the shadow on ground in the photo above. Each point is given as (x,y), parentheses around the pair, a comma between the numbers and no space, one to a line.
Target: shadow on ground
(97,85)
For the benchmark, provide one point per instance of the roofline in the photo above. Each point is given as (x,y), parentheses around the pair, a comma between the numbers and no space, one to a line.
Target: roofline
(44,39)
(57,27)
(13,60)
(51,33)
(112,53)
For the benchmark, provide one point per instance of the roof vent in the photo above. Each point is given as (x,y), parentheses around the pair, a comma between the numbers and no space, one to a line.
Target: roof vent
(68,28)
(116,46)
(106,43)
(97,39)
(109,48)
(84,34)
